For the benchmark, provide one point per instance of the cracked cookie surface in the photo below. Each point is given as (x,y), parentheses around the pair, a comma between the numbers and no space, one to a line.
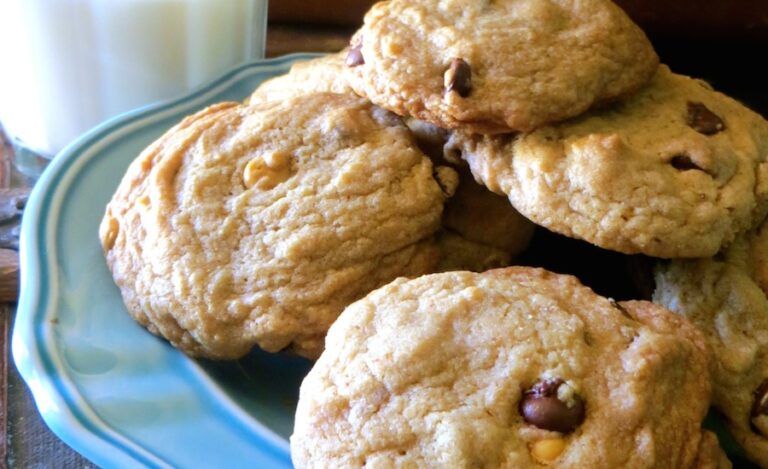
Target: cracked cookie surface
(481,230)
(725,297)
(676,170)
(257,225)
(508,368)
(497,66)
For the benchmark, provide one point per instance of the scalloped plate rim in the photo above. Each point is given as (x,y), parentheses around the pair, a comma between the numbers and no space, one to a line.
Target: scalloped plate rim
(62,408)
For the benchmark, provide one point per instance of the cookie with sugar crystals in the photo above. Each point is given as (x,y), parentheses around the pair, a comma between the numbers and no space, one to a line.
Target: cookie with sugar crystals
(515,367)
(726,297)
(676,170)
(494,66)
(249,226)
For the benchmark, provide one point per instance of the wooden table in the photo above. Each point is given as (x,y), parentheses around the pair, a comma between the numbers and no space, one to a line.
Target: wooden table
(24,439)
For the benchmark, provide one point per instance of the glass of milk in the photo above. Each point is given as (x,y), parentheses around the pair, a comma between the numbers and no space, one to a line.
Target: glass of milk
(70,64)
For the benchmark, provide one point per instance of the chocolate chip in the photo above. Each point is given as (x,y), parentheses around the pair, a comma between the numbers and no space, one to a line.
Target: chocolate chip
(621,309)
(458,78)
(684,163)
(355,56)
(704,121)
(760,404)
(541,407)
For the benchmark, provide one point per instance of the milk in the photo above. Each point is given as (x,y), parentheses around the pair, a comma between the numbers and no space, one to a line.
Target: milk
(70,64)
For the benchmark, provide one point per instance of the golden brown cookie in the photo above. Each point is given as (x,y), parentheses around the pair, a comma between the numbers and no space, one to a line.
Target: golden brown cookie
(480,216)
(725,297)
(711,455)
(676,170)
(323,74)
(515,367)
(459,253)
(257,225)
(497,66)
(481,230)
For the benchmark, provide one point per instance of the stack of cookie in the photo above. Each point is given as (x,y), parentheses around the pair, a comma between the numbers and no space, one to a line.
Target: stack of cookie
(428,149)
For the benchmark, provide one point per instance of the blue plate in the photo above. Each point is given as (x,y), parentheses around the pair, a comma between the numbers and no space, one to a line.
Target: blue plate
(107,387)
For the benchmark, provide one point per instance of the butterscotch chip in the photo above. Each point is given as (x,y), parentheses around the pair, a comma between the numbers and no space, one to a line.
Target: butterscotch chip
(265,221)
(431,372)
(547,450)
(497,66)
(109,230)
(267,170)
(636,177)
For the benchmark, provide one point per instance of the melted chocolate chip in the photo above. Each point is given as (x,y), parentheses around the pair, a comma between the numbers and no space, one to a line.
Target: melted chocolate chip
(760,404)
(458,78)
(684,163)
(355,56)
(541,407)
(704,121)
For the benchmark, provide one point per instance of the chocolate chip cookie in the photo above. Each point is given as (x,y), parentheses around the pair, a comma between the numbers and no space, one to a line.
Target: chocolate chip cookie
(725,297)
(676,170)
(481,229)
(497,66)
(515,367)
(257,225)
